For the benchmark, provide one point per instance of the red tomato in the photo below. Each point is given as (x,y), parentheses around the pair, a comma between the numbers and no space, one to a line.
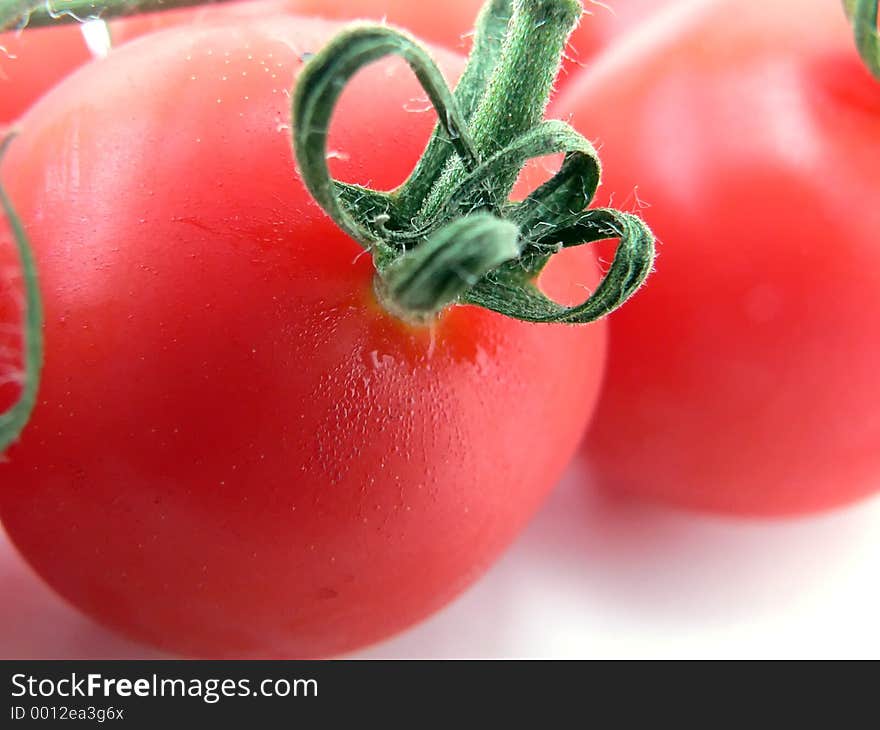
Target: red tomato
(744,377)
(32,61)
(236,451)
(37,59)
(602,23)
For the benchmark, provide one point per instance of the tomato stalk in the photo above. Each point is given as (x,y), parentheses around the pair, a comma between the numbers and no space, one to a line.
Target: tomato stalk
(450,234)
(14,420)
(37,13)
(863,16)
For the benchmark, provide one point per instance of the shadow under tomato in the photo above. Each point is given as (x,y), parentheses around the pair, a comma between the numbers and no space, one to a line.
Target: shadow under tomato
(597,575)
(593,575)
(36,624)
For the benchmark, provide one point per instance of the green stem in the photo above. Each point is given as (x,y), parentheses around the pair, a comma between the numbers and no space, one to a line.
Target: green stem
(14,420)
(530,61)
(863,16)
(469,243)
(37,13)
(489,35)
(518,90)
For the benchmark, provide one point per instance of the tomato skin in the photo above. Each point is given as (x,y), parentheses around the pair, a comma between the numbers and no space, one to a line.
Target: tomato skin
(33,61)
(743,378)
(42,57)
(602,24)
(39,58)
(236,451)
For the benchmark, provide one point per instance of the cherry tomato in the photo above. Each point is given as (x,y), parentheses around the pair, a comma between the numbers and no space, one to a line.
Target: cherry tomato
(236,451)
(32,61)
(744,377)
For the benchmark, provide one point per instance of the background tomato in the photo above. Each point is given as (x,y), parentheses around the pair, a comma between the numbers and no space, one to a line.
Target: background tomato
(236,452)
(32,62)
(36,59)
(744,377)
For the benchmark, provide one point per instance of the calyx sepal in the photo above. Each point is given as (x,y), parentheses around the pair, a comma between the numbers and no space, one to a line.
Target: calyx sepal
(450,233)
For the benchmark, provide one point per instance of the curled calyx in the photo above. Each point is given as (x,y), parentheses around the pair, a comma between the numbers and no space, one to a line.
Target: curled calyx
(14,419)
(450,233)
(863,16)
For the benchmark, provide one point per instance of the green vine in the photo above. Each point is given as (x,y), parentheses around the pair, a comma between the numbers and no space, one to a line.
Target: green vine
(863,16)
(14,420)
(38,13)
(450,234)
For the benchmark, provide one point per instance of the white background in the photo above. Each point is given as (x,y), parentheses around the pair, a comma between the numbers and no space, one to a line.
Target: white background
(596,577)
